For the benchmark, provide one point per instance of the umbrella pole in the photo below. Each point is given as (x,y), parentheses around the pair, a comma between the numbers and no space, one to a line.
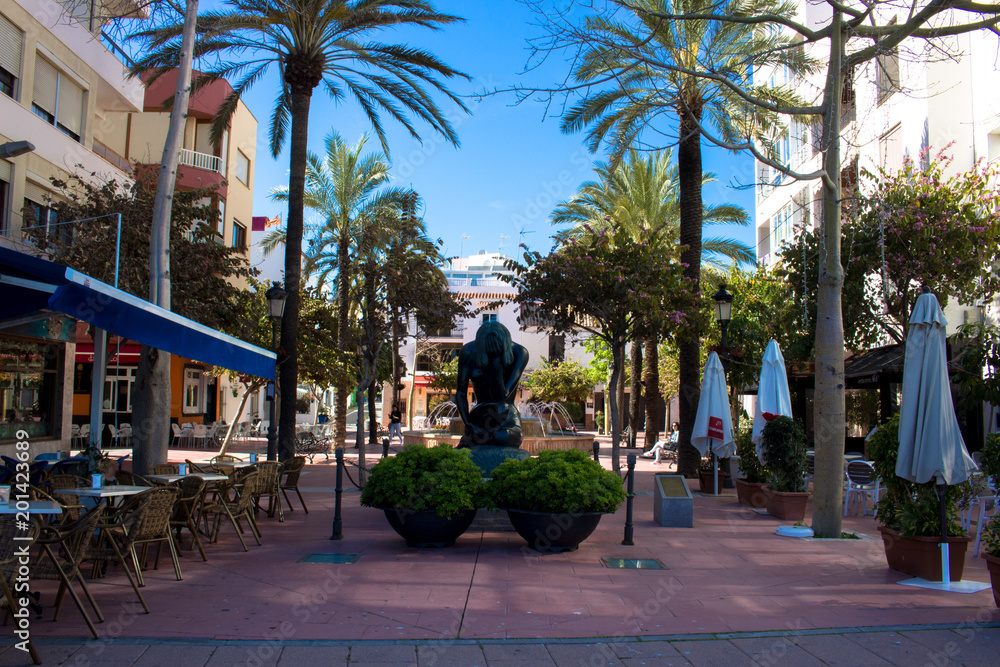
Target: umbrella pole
(942,491)
(715,469)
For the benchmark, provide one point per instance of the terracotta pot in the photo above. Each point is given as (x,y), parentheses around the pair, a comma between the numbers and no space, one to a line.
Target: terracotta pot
(425,528)
(786,506)
(993,565)
(921,556)
(750,494)
(545,531)
(707,478)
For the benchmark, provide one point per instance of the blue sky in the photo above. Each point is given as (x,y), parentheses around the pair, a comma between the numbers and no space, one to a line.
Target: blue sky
(513,166)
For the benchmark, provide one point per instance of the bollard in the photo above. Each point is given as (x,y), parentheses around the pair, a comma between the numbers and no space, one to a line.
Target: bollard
(628,501)
(597,451)
(385,447)
(338,528)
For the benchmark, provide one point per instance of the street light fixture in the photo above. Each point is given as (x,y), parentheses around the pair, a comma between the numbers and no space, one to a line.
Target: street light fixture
(15,148)
(723,311)
(275,309)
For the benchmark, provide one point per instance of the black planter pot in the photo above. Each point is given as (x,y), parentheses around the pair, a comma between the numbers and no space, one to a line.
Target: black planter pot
(556,533)
(425,528)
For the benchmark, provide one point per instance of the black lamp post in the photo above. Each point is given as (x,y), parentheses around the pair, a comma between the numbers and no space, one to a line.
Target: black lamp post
(723,311)
(275,309)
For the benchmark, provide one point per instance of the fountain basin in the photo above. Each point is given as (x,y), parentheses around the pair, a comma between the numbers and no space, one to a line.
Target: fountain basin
(530,444)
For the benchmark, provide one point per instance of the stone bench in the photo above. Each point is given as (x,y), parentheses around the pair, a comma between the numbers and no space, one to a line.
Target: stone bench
(673,504)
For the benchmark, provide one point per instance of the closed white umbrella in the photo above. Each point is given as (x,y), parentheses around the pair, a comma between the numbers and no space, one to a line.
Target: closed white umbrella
(773,399)
(930,443)
(713,425)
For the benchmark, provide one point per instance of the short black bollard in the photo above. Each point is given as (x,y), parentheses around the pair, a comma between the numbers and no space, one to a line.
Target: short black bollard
(597,451)
(628,501)
(338,528)
(385,447)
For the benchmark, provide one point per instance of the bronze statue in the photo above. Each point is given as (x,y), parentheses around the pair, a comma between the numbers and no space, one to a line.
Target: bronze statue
(493,363)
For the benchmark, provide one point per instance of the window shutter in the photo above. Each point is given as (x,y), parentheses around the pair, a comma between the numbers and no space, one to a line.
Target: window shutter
(70,105)
(46,78)
(35,193)
(10,47)
(4,173)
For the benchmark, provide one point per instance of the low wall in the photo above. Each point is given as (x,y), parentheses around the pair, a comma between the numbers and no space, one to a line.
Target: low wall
(531,445)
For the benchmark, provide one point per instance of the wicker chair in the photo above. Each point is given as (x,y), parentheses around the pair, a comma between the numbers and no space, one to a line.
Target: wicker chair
(63,549)
(131,479)
(56,483)
(13,538)
(187,509)
(268,481)
(290,481)
(194,467)
(164,469)
(70,511)
(235,508)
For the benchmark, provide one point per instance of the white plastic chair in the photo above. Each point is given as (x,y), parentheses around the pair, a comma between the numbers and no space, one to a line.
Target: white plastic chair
(200,434)
(84,435)
(125,434)
(862,484)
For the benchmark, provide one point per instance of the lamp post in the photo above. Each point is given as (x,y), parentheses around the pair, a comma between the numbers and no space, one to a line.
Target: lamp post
(723,311)
(275,309)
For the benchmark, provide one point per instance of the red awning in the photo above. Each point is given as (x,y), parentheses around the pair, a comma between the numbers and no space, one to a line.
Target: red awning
(422,380)
(128,354)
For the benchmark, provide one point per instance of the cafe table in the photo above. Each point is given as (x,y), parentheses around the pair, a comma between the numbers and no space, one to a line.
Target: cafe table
(105,491)
(171,478)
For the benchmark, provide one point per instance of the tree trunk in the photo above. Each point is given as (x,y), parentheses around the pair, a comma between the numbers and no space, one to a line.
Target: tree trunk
(151,393)
(254,386)
(651,377)
(372,416)
(301,96)
(620,394)
(360,437)
(396,370)
(343,287)
(828,407)
(635,386)
(617,361)
(689,357)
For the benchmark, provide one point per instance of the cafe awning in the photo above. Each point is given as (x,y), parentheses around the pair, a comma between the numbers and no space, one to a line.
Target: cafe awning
(31,284)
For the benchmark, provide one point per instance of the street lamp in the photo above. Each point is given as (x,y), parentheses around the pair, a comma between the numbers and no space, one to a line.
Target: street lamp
(275,309)
(15,148)
(723,311)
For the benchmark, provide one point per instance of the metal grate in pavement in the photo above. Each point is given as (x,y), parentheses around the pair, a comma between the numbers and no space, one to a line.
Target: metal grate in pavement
(330,558)
(634,563)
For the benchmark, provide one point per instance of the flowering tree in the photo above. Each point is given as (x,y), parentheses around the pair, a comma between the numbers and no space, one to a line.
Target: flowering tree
(611,286)
(556,380)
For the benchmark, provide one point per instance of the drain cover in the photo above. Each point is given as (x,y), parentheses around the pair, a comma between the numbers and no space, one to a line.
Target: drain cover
(330,558)
(634,563)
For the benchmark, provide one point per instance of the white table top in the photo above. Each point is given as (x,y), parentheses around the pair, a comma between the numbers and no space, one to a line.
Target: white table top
(207,476)
(34,507)
(106,491)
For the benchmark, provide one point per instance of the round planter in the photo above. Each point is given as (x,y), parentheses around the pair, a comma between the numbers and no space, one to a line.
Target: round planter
(750,494)
(786,506)
(993,565)
(707,478)
(556,533)
(921,556)
(425,528)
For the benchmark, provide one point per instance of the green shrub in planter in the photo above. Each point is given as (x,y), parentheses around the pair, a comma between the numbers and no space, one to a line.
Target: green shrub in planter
(784,445)
(750,465)
(561,482)
(441,478)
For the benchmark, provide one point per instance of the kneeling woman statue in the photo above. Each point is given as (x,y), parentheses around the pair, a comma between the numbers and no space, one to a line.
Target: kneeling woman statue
(493,363)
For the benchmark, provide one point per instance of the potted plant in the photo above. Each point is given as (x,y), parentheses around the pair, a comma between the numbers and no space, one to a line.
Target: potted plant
(784,445)
(989,461)
(429,494)
(556,499)
(910,514)
(706,474)
(750,487)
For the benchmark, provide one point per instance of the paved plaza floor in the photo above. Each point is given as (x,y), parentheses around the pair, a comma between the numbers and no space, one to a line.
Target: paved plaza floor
(731,592)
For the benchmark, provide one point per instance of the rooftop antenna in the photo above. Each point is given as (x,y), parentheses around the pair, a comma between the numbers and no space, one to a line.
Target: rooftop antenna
(520,236)
(461,247)
(503,237)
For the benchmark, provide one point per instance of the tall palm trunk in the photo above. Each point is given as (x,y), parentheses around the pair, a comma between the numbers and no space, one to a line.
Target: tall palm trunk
(343,284)
(690,177)
(635,386)
(651,375)
(151,411)
(301,86)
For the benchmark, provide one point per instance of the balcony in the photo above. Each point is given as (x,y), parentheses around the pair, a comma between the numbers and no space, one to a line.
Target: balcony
(201,170)
(201,160)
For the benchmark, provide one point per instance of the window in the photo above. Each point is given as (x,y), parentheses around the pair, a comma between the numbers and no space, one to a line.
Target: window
(10,57)
(891,150)
(194,391)
(5,174)
(40,215)
(782,226)
(887,71)
(242,167)
(239,235)
(489,317)
(57,99)
(557,348)
(118,384)
(28,379)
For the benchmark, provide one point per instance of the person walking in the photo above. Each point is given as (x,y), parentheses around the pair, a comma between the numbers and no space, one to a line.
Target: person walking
(395,423)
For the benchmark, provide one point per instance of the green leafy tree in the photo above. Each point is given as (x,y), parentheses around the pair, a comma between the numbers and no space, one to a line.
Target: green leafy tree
(600,285)
(558,380)
(312,42)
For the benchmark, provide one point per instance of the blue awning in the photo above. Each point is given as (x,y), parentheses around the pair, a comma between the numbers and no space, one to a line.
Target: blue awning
(30,284)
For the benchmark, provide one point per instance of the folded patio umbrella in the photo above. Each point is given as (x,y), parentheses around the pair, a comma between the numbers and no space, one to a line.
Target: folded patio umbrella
(773,399)
(713,425)
(930,443)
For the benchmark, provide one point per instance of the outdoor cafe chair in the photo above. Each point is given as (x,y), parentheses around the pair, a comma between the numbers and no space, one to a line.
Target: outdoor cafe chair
(290,480)
(194,467)
(179,435)
(164,469)
(70,511)
(131,479)
(268,480)
(12,538)
(234,509)
(862,484)
(199,436)
(63,549)
(191,495)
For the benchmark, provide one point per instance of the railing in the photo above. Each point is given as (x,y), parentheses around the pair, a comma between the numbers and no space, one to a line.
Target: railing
(112,157)
(116,50)
(201,160)
(476,282)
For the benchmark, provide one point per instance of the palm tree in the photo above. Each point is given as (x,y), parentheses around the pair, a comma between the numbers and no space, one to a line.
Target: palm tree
(641,195)
(651,66)
(313,42)
(348,189)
